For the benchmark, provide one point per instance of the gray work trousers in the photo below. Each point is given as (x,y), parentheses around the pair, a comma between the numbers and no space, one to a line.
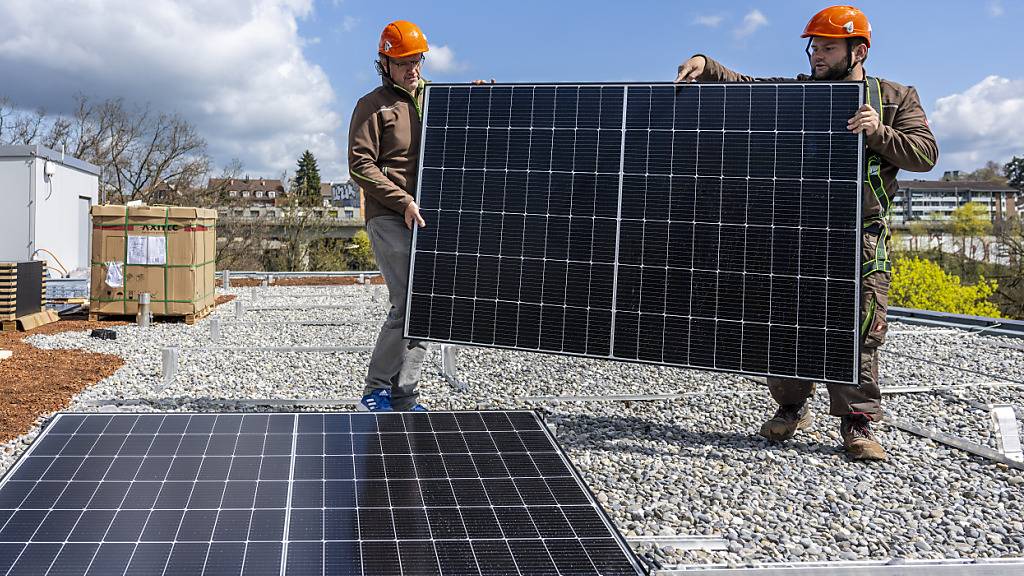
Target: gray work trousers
(396,361)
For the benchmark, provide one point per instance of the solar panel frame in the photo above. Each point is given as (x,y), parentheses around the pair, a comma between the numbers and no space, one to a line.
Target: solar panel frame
(854,267)
(177,550)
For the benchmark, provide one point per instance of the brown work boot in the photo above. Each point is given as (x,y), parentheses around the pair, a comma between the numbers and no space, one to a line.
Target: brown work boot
(859,442)
(787,420)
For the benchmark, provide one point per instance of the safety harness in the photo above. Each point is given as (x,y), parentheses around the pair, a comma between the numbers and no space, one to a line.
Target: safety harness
(876,224)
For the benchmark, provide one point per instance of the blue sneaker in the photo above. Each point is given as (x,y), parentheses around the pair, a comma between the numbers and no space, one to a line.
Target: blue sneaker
(376,401)
(418,408)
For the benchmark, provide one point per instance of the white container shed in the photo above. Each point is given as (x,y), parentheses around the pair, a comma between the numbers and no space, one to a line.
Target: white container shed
(44,205)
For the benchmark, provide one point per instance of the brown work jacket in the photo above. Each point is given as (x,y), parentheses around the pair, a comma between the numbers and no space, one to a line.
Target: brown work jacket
(905,140)
(384,146)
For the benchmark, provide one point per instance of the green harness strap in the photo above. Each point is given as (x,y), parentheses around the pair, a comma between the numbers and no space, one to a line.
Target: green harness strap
(124,268)
(873,180)
(167,250)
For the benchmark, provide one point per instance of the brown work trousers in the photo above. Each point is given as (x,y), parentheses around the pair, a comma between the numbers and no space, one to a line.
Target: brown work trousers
(864,398)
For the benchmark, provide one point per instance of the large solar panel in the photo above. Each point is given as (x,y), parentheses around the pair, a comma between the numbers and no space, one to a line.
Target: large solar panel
(707,225)
(456,493)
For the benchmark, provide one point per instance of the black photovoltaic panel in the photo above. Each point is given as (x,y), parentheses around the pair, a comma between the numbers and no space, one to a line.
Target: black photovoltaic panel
(707,225)
(445,493)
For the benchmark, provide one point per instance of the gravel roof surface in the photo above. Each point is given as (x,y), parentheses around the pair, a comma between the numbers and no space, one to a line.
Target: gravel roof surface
(687,466)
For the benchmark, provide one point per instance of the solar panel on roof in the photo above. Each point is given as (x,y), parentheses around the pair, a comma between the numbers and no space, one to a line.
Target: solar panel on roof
(299,494)
(703,225)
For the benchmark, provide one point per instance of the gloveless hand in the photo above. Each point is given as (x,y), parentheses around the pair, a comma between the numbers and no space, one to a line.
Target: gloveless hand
(412,214)
(866,120)
(690,70)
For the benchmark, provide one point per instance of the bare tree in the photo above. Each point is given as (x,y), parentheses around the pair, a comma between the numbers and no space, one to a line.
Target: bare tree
(20,128)
(1010,249)
(136,149)
(917,230)
(298,227)
(143,153)
(992,171)
(241,241)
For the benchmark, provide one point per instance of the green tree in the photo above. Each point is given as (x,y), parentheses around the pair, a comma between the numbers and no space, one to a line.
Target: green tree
(306,184)
(342,254)
(1014,171)
(917,229)
(922,284)
(970,221)
(358,254)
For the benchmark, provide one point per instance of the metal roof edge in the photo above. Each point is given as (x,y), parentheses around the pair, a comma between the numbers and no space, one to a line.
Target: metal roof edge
(993,326)
(45,153)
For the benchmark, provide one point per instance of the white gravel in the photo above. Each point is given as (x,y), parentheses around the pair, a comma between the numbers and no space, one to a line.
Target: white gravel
(682,467)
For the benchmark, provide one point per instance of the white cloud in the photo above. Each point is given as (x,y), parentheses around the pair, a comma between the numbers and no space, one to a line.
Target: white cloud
(984,122)
(709,21)
(234,68)
(441,60)
(995,8)
(753,21)
(349,23)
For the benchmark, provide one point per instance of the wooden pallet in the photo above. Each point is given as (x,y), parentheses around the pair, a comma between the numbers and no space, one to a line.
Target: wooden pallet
(8,290)
(189,319)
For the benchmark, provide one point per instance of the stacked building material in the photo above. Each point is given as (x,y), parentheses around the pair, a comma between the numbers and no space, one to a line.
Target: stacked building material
(23,295)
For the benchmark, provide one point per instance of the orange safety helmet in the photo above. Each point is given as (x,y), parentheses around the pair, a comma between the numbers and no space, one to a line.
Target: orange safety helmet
(401,38)
(839,22)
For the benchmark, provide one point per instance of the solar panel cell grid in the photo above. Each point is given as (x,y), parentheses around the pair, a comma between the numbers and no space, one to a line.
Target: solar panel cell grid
(713,226)
(324,494)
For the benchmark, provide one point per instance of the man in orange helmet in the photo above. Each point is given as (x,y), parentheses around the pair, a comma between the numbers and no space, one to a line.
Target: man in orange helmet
(897,136)
(383,152)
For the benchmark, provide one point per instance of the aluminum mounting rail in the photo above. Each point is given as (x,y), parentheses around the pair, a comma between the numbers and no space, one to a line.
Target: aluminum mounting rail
(955,442)
(300,307)
(685,542)
(257,274)
(170,355)
(977,324)
(226,275)
(633,397)
(895,567)
(216,324)
(947,387)
(996,377)
(301,349)
(276,402)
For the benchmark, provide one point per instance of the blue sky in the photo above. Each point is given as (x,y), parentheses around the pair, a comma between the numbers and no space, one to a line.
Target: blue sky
(941,48)
(265,79)
(565,41)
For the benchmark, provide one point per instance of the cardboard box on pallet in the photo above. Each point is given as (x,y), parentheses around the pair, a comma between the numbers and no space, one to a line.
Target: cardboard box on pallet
(167,251)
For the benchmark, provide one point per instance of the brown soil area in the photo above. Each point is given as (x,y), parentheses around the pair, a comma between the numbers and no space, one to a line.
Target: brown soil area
(321,281)
(223,299)
(34,382)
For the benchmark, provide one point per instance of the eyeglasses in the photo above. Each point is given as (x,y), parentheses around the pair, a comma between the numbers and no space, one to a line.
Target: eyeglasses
(408,63)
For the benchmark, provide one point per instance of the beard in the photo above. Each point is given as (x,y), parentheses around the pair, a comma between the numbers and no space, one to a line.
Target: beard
(836,72)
